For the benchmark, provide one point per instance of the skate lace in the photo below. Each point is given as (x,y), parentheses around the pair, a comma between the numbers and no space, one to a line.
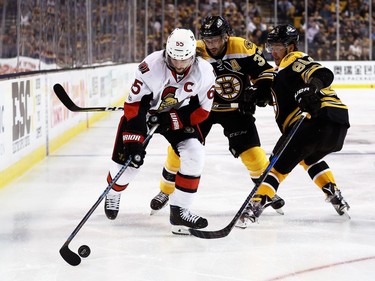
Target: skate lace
(113,201)
(161,197)
(187,216)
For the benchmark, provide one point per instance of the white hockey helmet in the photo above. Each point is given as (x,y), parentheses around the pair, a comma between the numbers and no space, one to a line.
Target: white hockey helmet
(181,44)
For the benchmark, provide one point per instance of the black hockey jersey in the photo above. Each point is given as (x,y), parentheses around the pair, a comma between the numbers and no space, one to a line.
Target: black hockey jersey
(242,61)
(294,72)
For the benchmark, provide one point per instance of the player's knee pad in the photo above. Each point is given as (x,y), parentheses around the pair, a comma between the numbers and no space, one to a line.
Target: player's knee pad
(255,160)
(191,157)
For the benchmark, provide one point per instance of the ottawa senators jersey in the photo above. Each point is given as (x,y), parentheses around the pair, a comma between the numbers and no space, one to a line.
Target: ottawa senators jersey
(242,60)
(157,88)
(294,72)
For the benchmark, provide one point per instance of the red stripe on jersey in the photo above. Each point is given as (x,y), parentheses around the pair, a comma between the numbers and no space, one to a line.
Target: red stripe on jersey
(131,110)
(116,186)
(198,115)
(187,183)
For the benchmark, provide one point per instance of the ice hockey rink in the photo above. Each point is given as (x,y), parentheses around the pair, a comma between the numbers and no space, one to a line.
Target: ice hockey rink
(40,209)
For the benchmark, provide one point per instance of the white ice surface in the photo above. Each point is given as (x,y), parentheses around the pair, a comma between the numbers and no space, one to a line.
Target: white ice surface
(40,210)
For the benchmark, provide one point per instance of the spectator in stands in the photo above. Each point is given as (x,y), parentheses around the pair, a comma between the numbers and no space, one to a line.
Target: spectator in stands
(355,50)
(285,10)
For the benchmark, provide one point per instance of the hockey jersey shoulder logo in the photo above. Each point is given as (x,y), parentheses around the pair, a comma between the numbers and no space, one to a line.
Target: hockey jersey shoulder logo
(248,44)
(238,47)
(143,67)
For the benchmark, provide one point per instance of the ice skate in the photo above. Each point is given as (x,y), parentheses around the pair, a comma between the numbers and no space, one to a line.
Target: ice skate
(276,203)
(335,198)
(181,220)
(112,204)
(255,208)
(158,202)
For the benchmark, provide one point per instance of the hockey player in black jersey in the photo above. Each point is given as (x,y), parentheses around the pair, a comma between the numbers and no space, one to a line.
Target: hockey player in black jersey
(301,85)
(234,60)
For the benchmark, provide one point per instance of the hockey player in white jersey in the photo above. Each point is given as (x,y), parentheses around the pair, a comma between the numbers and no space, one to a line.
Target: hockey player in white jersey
(175,88)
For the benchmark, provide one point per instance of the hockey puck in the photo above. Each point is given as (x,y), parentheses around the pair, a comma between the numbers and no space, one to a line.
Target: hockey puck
(84,251)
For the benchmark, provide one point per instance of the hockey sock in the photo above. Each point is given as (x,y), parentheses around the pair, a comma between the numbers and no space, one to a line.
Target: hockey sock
(320,173)
(116,186)
(171,166)
(271,183)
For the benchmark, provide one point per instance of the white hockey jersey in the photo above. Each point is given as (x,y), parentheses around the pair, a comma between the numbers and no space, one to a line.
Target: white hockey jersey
(158,88)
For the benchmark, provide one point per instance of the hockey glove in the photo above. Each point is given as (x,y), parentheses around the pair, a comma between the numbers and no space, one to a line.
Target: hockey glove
(166,120)
(133,143)
(252,96)
(308,99)
(246,105)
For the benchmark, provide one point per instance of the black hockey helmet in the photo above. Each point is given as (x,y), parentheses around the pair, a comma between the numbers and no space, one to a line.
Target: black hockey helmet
(214,26)
(286,34)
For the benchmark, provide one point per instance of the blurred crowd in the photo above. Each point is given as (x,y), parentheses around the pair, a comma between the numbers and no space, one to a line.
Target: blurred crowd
(74,33)
(321,34)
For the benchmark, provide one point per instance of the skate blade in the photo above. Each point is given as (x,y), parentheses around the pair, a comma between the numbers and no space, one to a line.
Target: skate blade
(180,230)
(241,224)
(280,211)
(153,212)
(345,214)
(246,222)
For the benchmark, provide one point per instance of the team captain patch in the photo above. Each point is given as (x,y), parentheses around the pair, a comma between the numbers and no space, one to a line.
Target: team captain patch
(143,67)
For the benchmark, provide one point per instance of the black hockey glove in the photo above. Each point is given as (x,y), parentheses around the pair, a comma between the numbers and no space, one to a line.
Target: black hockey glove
(246,105)
(252,96)
(308,99)
(166,120)
(134,148)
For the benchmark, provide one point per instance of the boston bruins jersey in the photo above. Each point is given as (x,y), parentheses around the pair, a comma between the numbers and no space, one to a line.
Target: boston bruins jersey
(295,70)
(242,61)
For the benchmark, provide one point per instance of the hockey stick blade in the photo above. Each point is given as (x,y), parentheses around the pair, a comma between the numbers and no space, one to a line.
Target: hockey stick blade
(66,100)
(206,234)
(69,256)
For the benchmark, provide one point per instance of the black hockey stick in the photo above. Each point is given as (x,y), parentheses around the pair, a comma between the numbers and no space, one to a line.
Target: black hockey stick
(69,104)
(68,255)
(224,105)
(66,100)
(206,234)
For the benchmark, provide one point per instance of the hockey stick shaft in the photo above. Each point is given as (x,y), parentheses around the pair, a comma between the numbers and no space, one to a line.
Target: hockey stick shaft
(226,230)
(68,255)
(67,101)
(69,104)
